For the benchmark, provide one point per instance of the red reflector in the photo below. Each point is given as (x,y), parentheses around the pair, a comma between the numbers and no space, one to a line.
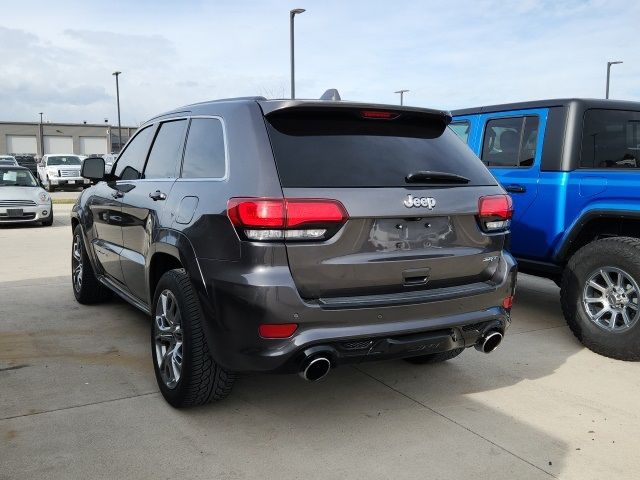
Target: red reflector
(499,206)
(277,330)
(379,114)
(284,213)
(507,303)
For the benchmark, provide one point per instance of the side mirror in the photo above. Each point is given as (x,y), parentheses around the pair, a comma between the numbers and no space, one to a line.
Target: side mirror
(93,168)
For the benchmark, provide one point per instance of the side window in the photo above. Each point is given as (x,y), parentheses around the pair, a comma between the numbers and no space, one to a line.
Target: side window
(610,139)
(166,151)
(510,142)
(461,129)
(204,155)
(134,155)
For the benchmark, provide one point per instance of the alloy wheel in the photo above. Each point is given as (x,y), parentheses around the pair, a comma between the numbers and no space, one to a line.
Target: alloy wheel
(76,263)
(167,332)
(610,298)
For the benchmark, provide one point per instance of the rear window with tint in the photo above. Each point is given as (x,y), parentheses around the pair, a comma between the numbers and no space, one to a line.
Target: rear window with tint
(611,139)
(319,149)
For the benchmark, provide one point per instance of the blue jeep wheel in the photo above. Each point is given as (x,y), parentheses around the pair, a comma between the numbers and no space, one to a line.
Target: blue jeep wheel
(600,297)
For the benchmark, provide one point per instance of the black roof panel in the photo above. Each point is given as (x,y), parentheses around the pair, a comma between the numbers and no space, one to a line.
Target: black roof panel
(583,102)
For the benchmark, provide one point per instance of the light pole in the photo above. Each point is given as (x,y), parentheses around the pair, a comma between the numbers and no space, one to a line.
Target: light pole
(41,138)
(609,74)
(401,92)
(116,74)
(292,14)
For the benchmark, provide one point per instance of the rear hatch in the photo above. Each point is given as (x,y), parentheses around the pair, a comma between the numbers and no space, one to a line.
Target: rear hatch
(410,189)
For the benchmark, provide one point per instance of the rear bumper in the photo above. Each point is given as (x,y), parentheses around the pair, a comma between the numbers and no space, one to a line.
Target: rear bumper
(236,302)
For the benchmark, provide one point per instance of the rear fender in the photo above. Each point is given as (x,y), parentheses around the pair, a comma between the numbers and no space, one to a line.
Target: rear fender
(593,211)
(177,245)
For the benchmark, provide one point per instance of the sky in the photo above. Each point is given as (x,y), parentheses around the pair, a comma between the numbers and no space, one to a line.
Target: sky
(58,57)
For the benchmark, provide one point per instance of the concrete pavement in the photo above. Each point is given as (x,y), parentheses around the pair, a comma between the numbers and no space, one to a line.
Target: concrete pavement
(78,399)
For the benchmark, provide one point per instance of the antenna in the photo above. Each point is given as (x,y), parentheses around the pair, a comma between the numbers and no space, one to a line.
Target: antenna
(332,94)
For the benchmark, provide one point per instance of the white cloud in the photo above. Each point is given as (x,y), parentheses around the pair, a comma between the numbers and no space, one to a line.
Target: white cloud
(58,57)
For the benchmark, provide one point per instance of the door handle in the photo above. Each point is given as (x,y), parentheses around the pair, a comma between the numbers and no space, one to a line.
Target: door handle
(157,195)
(515,188)
(117,194)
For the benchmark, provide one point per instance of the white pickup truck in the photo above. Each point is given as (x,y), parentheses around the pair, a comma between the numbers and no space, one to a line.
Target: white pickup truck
(61,170)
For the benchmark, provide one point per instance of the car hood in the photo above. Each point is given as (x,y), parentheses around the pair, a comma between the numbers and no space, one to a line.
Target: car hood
(20,193)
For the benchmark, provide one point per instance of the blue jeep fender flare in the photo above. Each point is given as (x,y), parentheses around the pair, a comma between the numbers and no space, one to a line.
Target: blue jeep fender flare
(566,241)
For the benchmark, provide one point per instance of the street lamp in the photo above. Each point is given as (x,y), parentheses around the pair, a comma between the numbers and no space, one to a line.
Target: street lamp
(402,92)
(116,74)
(41,138)
(292,14)
(609,74)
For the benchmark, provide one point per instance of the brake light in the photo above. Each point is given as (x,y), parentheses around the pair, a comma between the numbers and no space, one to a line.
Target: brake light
(277,330)
(495,212)
(256,212)
(379,114)
(264,219)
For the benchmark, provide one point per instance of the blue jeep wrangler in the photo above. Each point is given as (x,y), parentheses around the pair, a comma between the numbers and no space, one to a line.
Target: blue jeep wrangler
(572,168)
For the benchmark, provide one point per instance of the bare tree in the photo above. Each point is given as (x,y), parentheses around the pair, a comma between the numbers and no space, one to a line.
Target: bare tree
(278,90)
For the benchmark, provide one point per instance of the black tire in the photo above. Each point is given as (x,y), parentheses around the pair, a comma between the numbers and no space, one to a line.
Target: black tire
(89,290)
(48,187)
(201,379)
(49,220)
(435,357)
(620,253)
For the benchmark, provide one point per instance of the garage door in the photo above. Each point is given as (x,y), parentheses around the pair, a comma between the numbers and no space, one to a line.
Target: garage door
(55,144)
(22,144)
(93,145)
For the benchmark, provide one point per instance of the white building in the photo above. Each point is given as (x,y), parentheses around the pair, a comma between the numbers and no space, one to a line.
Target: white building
(84,139)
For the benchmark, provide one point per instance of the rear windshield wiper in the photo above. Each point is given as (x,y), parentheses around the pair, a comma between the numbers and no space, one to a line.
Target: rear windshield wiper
(435,177)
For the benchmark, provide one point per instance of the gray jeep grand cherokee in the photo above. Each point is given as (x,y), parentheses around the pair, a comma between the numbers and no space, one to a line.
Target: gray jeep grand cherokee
(296,236)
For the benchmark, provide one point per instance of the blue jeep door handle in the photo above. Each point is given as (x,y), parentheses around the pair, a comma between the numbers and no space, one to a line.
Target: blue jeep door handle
(515,188)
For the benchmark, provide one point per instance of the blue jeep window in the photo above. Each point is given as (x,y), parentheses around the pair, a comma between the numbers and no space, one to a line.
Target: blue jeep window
(610,139)
(510,142)
(461,129)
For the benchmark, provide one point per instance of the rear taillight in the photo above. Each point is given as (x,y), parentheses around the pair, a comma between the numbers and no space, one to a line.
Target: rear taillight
(495,212)
(265,219)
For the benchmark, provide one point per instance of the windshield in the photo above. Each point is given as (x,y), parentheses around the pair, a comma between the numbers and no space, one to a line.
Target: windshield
(16,177)
(7,161)
(64,160)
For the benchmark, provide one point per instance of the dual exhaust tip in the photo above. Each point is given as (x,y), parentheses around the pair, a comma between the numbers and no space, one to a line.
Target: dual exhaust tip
(317,367)
(489,342)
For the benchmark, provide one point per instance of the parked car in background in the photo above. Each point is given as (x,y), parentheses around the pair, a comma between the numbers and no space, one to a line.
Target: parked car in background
(8,161)
(59,171)
(22,199)
(27,161)
(573,169)
(109,160)
(296,236)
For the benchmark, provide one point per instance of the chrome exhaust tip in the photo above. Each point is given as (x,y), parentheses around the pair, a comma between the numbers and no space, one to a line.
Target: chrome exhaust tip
(315,369)
(489,342)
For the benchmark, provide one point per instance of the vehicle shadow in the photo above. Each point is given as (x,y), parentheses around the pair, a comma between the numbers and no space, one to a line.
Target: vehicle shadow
(478,400)
(467,417)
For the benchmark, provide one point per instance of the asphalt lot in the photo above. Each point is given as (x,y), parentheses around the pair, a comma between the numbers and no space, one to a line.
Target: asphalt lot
(78,399)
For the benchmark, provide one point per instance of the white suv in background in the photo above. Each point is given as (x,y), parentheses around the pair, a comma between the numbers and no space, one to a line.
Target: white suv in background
(61,170)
